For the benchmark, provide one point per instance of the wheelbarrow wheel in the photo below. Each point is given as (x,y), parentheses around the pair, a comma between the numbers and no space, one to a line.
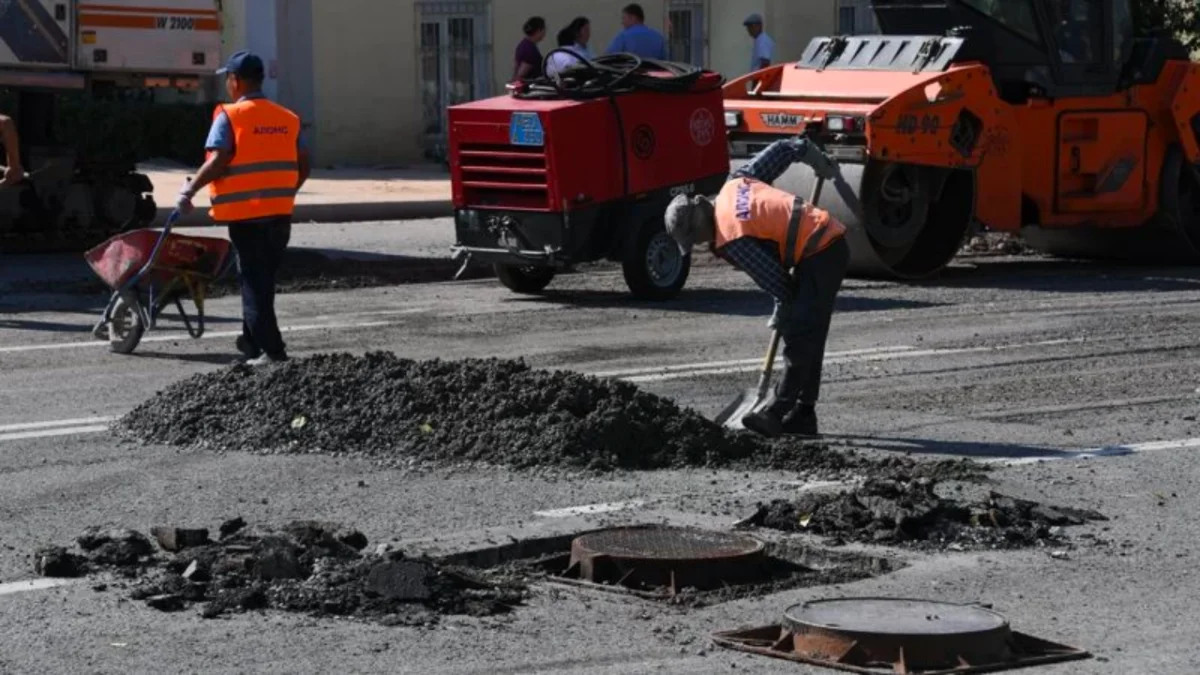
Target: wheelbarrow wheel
(125,328)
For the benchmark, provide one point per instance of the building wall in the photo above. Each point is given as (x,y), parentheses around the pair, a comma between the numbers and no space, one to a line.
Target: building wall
(351,68)
(365,108)
(728,42)
(794,24)
(508,17)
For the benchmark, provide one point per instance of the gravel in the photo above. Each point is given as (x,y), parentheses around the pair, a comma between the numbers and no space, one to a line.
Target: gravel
(404,413)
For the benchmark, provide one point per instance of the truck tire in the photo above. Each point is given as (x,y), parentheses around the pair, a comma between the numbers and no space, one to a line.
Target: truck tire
(654,267)
(525,280)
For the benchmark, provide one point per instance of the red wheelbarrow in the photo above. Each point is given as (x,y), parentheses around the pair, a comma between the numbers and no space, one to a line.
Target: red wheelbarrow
(149,270)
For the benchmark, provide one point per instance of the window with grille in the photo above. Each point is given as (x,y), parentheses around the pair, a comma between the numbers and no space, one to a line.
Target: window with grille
(687,39)
(855,17)
(454,62)
(846,21)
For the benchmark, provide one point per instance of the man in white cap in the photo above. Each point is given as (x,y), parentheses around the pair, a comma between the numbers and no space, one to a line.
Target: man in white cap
(764,46)
(769,233)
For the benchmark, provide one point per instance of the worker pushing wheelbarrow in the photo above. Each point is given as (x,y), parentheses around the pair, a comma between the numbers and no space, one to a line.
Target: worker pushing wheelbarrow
(150,270)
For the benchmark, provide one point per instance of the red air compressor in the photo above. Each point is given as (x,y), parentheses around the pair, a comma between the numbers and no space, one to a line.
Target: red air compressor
(580,168)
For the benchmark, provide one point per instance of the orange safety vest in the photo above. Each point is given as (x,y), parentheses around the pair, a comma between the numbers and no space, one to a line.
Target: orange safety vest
(751,208)
(261,180)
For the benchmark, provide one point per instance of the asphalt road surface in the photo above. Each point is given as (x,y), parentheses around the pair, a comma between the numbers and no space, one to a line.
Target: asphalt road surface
(1080,380)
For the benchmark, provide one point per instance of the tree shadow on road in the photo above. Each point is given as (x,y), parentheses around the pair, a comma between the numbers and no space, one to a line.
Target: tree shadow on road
(1064,276)
(46,326)
(968,449)
(728,302)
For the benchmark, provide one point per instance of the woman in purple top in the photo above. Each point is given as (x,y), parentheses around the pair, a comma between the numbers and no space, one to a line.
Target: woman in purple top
(528,58)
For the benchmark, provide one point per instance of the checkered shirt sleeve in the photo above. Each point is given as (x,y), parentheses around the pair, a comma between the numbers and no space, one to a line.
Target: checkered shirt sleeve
(760,260)
(768,165)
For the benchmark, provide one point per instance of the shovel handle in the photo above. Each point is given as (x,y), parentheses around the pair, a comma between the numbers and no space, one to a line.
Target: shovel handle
(764,380)
(816,191)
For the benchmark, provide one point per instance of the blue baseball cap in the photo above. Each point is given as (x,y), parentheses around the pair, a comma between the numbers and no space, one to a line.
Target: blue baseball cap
(244,64)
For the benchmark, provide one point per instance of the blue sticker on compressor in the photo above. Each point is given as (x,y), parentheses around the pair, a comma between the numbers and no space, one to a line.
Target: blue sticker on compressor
(525,128)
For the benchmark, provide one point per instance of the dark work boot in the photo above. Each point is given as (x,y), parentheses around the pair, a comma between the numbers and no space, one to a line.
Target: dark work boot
(801,422)
(248,350)
(764,422)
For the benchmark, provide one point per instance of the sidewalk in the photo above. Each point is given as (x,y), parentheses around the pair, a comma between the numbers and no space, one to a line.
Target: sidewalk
(331,195)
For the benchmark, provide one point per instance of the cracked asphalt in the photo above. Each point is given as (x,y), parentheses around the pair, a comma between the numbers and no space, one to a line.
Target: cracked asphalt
(1027,362)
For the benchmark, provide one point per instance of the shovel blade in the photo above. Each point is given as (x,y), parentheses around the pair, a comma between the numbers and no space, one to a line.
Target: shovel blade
(744,404)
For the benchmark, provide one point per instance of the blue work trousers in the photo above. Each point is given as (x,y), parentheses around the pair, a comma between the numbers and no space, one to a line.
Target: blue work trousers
(260,247)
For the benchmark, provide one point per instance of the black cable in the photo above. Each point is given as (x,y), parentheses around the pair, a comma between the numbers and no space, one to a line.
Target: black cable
(611,75)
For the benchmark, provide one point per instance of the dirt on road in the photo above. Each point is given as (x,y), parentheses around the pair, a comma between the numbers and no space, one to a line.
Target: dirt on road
(401,412)
(311,567)
(912,513)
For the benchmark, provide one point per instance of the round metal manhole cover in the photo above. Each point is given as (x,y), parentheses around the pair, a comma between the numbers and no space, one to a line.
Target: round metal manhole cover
(920,633)
(668,557)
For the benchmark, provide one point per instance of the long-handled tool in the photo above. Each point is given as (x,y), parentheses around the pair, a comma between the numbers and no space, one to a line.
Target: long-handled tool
(749,400)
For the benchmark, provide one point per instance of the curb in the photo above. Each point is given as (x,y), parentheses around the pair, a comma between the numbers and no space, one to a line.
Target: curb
(350,212)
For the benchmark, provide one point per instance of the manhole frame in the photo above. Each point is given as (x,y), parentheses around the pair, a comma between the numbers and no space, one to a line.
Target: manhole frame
(590,560)
(797,564)
(781,641)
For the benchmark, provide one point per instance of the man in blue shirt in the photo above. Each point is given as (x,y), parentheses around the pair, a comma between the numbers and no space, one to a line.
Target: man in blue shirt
(638,38)
(260,242)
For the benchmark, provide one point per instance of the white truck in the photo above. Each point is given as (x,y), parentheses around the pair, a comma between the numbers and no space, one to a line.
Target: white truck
(107,48)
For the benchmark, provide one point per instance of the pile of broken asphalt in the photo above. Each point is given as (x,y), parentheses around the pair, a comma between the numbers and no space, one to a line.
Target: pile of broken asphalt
(404,413)
(310,567)
(911,513)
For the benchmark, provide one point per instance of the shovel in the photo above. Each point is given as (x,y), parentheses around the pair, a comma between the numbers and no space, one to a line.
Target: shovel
(749,400)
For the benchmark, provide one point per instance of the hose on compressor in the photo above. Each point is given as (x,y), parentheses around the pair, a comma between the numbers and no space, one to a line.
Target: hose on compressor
(610,75)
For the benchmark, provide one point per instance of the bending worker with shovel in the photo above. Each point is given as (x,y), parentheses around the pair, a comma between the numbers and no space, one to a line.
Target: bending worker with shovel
(793,251)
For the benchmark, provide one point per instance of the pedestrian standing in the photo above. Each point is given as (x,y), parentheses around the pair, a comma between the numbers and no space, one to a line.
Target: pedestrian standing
(764,46)
(792,250)
(637,38)
(527,59)
(13,173)
(257,162)
(565,55)
(581,28)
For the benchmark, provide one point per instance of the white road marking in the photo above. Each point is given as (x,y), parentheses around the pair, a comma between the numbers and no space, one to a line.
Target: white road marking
(1106,451)
(739,362)
(589,509)
(50,433)
(29,426)
(183,336)
(34,585)
(887,354)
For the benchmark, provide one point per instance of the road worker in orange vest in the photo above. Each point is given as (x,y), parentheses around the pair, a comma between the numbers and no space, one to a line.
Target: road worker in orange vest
(792,250)
(257,162)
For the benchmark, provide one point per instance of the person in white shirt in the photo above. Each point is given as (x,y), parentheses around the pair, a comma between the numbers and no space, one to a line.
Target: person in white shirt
(764,46)
(572,40)
(564,56)
(581,28)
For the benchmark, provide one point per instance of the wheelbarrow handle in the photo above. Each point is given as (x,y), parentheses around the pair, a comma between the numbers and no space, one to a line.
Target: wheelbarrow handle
(162,237)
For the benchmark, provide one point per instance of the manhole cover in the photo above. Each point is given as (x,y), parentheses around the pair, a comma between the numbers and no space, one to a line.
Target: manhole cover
(668,557)
(894,635)
(920,634)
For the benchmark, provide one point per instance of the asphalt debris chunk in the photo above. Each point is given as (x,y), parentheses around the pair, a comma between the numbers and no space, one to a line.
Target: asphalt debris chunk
(404,413)
(911,513)
(311,567)
(996,244)
(56,561)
